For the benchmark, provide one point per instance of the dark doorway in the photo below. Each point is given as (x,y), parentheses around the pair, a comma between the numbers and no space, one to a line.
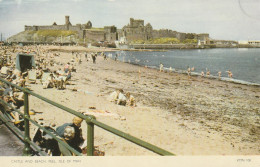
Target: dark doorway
(25,62)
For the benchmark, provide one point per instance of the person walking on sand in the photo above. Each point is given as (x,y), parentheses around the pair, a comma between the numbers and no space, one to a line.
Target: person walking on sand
(219,74)
(93,57)
(116,57)
(170,69)
(161,67)
(86,56)
(202,73)
(188,71)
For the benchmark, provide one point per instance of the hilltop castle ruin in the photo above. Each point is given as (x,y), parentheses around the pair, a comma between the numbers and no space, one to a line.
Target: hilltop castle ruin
(135,30)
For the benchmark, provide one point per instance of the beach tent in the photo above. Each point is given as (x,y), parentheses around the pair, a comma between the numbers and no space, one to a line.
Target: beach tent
(24,62)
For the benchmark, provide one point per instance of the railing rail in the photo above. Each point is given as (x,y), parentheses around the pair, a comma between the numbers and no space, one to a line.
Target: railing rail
(90,120)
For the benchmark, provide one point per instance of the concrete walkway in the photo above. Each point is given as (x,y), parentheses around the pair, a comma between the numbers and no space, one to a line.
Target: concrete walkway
(10,145)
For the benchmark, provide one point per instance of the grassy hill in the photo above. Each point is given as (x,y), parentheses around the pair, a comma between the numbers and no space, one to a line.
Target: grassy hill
(45,36)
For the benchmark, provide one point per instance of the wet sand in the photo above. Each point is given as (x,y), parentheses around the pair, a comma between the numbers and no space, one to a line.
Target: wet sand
(184,115)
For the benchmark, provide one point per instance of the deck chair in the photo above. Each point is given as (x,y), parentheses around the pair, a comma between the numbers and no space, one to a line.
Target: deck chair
(32,76)
(4,70)
(45,76)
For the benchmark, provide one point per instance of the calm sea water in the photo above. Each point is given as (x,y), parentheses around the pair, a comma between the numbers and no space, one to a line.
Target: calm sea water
(244,63)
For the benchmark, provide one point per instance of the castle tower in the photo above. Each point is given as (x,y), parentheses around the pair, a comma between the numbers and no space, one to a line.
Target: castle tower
(67,20)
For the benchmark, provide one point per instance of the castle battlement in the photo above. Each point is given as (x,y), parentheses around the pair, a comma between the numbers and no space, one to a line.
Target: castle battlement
(135,30)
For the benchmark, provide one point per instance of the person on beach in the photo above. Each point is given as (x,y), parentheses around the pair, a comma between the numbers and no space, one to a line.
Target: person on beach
(161,67)
(66,67)
(86,56)
(170,69)
(121,98)
(219,74)
(116,57)
(49,83)
(72,133)
(208,73)
(202,74)
(130,100)
(192,69)
(229,74)
(113,96)
(93,57)
(189,71)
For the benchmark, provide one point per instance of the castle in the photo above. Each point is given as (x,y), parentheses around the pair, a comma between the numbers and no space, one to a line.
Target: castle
(135,30)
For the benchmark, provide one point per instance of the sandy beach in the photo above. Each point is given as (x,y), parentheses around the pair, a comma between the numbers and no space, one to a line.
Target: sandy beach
(184,115)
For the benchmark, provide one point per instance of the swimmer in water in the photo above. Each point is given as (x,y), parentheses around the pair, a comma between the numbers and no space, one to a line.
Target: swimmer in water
(229,74)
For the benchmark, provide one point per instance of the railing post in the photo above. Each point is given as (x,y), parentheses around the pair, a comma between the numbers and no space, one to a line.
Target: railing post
(27,149)
(90,138)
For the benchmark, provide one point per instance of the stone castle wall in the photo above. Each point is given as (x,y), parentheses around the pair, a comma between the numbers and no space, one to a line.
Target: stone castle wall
(135,30)
(164,33)
(111,37)
(95,35)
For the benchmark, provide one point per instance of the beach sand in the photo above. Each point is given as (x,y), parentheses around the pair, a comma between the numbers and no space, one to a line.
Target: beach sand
(181,114)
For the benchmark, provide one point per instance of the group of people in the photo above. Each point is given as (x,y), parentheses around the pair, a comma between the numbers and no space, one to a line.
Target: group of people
(202,74)
(94,56)
(119,98)
(71,133)
(230,75)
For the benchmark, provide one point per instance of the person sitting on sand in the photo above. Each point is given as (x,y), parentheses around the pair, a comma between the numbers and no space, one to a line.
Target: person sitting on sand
(49,83)
(59,81)
(113,96)
(121,98)
(72,133)
(11,76)
(67,67)
(130,100)
(68,77)
(39,73)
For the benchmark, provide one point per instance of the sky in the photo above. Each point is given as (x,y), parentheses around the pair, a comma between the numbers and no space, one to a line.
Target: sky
(222,19)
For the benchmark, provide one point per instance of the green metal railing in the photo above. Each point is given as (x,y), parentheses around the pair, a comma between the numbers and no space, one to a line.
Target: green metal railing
(90,120)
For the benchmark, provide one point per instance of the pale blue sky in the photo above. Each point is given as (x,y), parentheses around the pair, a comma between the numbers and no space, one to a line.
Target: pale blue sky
(222,19)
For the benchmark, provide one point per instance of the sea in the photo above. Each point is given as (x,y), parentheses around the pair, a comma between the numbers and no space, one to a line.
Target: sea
(244,63)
